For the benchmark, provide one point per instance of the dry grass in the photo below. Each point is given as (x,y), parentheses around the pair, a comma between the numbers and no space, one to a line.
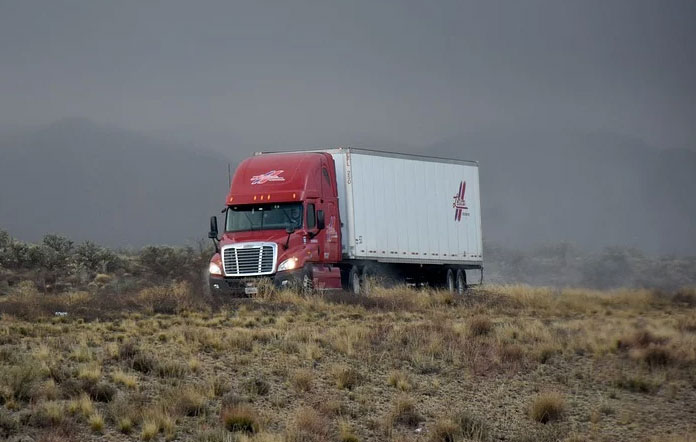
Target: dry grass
(307,425)
(400,364)
(302,380)
(547,407)
(240,418)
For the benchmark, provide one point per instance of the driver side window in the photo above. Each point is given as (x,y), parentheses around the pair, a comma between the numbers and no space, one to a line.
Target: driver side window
(311,216)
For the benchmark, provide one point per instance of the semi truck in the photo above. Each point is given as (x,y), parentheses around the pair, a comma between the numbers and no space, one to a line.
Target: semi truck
(344,218)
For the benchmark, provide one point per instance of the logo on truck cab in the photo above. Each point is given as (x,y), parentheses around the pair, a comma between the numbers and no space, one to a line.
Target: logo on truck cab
(460,203)
(270,176)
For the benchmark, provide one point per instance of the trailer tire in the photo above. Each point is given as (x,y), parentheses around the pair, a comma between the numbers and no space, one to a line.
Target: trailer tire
(355,281)
(461,281)
(450,283)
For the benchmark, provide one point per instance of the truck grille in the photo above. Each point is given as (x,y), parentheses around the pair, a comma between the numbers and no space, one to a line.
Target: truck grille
(246,260)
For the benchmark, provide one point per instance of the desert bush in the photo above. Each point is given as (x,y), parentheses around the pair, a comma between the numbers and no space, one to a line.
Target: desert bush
(82,406)
(102,392)
(169,299)
(400,380)
(96,422)
(9,424)
(172,263)
(547,407)
(257,386)
(637,383)
(346,377)
(171,368)
(21,380)
(307,425)
(96,259)
(461,427)
(480,325)
(150,430)
(240,418)
(144,363)
(189,402)
(125,379)
(404,412)
(48,414)
(301,379)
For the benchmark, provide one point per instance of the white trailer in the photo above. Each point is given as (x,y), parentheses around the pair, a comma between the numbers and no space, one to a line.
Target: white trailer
(399,208)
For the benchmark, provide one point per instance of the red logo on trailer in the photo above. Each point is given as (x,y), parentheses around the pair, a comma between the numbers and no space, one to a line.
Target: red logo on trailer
(272,176)
(459,202)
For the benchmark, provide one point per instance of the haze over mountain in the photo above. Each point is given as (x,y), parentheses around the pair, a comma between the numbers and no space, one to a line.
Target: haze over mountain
(121,188)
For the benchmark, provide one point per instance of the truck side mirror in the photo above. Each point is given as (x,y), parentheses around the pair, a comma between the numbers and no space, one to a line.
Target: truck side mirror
(320,219)
(213,234)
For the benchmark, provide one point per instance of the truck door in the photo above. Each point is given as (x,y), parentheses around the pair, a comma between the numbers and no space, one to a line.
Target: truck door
(332,252)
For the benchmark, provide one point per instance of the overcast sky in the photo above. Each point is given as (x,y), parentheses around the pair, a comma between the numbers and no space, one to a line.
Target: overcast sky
(292,73)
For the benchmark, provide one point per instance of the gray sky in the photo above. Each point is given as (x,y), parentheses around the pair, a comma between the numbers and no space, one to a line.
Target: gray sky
(291,73)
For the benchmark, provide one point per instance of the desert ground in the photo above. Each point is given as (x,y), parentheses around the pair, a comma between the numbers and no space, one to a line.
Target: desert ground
(508,363)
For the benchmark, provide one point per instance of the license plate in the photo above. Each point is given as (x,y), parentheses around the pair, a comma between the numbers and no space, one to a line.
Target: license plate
(251,290)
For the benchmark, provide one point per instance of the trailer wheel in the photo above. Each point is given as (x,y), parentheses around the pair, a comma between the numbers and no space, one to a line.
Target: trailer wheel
(461,281)
(450,283)
(354,280)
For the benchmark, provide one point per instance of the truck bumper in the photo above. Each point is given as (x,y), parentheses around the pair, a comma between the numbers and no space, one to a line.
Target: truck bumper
(245,286)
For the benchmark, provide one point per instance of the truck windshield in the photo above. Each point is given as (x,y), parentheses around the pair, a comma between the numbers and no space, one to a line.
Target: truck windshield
(263,217)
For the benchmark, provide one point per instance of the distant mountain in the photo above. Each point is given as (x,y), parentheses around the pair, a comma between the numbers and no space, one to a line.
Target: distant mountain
(590,188)
(108,185)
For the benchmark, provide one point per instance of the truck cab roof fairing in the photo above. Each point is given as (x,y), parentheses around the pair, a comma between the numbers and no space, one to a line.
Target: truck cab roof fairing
(282,177)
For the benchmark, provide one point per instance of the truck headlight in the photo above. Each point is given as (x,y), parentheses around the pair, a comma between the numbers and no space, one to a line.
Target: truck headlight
(288,264)
(214,269)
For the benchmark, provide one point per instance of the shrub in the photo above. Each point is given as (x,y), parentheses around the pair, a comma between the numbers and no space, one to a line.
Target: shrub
(346,377)
(8,423)
(169,299)
(656,356)
(124,425)
(240,418)
(96,423)
(547,407)
(144,363)
(48,414)
(472,427)
(346,433)
(302,380)
(404,412)
(83,406)
(637,384)
(400,381)
(125,379)
(190,402)
(150,430)
(307,425)
(21,379)
(257,386)
(480,325)
(102,392)
(171,369)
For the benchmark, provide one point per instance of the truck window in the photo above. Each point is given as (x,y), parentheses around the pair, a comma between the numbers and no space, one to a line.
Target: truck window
(326,176)
(263,217)
(311,216)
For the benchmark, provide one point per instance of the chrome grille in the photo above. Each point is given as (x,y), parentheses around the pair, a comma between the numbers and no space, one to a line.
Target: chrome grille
(249,260)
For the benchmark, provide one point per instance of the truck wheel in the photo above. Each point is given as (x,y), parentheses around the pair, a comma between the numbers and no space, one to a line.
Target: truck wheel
(461,281)
(450,284)
(354,280)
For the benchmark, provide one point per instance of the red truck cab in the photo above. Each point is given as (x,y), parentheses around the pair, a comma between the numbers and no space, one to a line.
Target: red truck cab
(282,222)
